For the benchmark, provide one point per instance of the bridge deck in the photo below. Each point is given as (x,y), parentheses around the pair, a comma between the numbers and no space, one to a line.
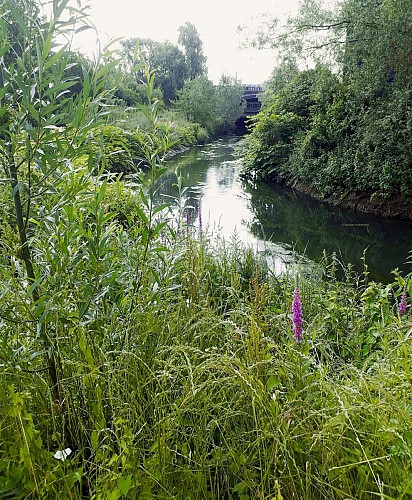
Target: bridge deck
(250,96)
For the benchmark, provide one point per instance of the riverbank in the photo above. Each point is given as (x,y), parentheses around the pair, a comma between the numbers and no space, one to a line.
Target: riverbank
(367,202)
(290,227)
(392,206)
(189,383)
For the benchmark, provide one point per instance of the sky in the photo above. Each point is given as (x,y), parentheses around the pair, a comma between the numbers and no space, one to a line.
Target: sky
(215,20)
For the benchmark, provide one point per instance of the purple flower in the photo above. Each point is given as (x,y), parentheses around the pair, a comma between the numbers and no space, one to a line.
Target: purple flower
(402,304)
(200,218)
(297,316)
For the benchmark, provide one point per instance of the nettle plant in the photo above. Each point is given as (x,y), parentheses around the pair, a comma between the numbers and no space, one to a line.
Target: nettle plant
(43,132)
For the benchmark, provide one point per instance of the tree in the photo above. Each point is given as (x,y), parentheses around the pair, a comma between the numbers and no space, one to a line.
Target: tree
(192,45)
(281,75)
(358,119)
(230,105)
(198,101)
(166,59)
(171,71)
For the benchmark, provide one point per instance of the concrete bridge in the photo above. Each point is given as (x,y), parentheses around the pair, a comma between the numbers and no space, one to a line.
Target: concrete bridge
(250,96)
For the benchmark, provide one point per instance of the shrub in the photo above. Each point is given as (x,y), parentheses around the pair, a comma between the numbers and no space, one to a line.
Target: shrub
(114,149)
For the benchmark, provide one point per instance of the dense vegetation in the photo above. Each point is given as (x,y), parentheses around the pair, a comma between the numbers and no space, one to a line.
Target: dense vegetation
(344,125)
(181,84)
(142,358)
(188,105)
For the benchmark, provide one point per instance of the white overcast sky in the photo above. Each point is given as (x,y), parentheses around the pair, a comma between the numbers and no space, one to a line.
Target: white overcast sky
(215,20)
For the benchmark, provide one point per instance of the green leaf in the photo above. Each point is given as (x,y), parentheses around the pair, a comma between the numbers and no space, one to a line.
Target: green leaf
(124,484)
(33,286)
(160,208)
(101,193)
(86,86)
(59,87)
(4,49)
(47,46)
(105,69)
(95,440)
(136,51)
(158,228)
(83,28)
(142,215)
(272,383)
(240,487)
(144,199)
(3,91)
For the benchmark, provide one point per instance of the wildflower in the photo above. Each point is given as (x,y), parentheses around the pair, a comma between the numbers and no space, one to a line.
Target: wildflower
(297,316)
(62,454)
(200,218)
(402,304)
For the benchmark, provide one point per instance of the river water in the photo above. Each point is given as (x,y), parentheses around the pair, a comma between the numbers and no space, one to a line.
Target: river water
(286,226)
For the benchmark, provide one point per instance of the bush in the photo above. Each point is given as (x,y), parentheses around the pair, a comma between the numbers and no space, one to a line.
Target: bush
(311,130)
(114,149)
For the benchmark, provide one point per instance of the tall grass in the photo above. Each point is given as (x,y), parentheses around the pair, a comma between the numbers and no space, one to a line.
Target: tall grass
(140,358)
(181,378)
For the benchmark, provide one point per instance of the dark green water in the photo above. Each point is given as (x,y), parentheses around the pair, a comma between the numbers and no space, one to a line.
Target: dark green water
(288,226)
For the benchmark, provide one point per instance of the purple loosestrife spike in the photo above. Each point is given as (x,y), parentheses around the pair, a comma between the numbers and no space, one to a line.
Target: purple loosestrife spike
(200,218)
(297,316)
(402,304)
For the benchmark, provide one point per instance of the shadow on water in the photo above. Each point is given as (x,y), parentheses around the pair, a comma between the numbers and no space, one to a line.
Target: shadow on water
(287,223)
(283,215)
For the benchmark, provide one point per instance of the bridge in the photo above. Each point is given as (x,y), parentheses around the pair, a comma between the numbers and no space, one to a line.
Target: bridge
(252,106)
(250,97)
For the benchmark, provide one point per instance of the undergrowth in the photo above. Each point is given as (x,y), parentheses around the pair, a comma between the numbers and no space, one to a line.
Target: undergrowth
(142,358)
(180,378)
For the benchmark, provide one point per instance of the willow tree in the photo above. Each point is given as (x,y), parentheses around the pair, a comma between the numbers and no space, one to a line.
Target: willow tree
(43,128)
(192,44)
(165,58)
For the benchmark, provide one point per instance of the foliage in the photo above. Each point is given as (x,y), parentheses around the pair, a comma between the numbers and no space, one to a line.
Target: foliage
(189,39)
(356,124)
(288,125)
(230,106)
(42,130)
(281,76)
(78,68)
(121,200)
(197,101)
(165,58)
(114,149)
(165,361)
(188,134)
(215,108)
(131,93)
(196,364)
(116,146)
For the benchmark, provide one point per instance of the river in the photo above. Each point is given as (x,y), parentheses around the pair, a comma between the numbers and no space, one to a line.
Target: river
(288,227)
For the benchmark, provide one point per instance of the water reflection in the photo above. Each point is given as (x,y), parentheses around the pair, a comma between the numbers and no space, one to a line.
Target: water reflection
(287,216)
(281,222)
